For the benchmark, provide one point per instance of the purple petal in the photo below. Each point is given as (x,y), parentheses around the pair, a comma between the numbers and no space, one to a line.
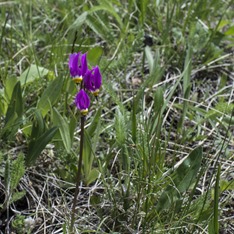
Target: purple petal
(88,81)
(97,78)
(73,64)
(82,100)
(84,65)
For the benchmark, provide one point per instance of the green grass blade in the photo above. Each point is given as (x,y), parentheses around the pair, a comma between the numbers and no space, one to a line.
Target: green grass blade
(134,121)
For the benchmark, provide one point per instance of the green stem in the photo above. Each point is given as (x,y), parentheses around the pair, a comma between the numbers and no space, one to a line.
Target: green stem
(78,175)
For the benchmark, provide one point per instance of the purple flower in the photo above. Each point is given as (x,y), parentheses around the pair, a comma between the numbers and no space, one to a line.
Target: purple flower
(93,80)
(78,66)
(82,101)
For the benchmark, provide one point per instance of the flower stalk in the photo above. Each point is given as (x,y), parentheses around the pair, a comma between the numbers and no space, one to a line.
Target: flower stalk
(78,175)
(88,82)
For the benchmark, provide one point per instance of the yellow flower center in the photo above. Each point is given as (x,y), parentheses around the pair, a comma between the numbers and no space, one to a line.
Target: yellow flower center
(96,92)
(84,112)
(78,79)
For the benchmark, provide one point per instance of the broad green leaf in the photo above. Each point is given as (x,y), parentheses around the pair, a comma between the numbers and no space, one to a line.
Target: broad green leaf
(9,87)
(72,126)
(36,146)
(3,104)
(17,171)
(182,178)
(90,144)
(107,7)
(7,177)
(87,155)
(64,130)
(14,113)
(100,28)
(94,55)
(211,229)
(230,31)
(17,196)
(120,127)
(142,5)
(32,73)
(92,176)
(50,95)
(79,21)
(92,128)
(226,185)
(38,127)
(150,58)
(16,103)
(158,99)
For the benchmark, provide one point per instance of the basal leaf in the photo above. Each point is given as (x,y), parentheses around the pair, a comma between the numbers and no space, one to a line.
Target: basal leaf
(158,99)
(38,126)
(106,7)
(9,87)
(32,73)
(182,178)
(14,113)
(16,103)
(50,95)
(17,196)
(120,127)
(17,171)
(93,175)
(36,146)
(79,21)
(150,58)
(91,129)
(64,130)
(94,55)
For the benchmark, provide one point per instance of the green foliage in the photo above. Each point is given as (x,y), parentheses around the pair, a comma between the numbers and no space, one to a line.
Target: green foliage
(50,95)
(215,220)
(17,171)
(36,145)
(14,171)
(32,73)
(64,130)
(14,113)
(94,55)
(90,144)
(40,137)
(183,177)
(120,127)
(18,223)
(141,131)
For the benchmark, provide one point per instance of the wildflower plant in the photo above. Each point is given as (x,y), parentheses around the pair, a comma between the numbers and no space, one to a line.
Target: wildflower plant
(88,82)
